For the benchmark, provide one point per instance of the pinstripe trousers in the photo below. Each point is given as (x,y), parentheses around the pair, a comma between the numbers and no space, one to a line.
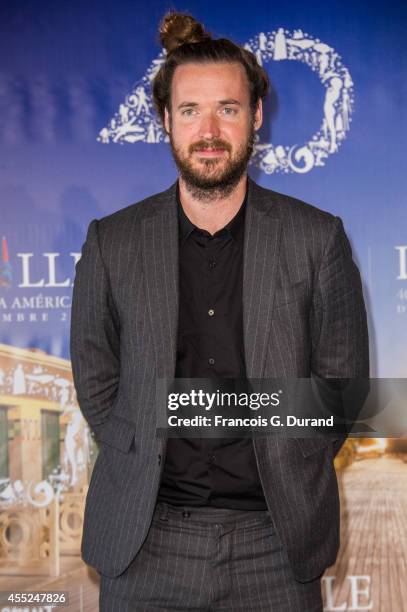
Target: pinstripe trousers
(209,559)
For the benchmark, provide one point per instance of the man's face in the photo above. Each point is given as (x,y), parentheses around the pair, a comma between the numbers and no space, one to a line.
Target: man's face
(211,125)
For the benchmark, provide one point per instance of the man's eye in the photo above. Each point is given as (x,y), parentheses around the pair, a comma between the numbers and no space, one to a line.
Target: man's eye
(187,111)
(228,110)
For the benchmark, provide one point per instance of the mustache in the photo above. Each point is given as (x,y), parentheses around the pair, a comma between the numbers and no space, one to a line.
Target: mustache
(213,144)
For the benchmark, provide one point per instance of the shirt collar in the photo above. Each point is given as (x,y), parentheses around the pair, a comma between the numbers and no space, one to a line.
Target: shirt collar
(186,227)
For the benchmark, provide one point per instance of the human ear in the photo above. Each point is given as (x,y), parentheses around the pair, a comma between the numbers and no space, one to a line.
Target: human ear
(166,120)
(258,115)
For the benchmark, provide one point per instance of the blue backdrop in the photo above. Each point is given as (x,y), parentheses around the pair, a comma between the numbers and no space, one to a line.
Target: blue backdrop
(78,140)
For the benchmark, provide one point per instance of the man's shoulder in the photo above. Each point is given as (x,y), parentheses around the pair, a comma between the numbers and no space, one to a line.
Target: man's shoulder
(289,208)
(136,212)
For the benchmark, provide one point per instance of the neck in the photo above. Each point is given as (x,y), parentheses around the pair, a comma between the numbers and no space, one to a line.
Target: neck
(214,214)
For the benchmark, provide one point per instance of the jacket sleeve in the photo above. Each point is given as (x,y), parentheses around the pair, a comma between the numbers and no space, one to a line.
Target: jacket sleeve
(94,335)
(340,344)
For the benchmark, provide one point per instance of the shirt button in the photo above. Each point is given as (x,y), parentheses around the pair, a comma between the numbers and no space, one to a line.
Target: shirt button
(211,361)
(211,458)
(212,264)
(211,312)
(186,513)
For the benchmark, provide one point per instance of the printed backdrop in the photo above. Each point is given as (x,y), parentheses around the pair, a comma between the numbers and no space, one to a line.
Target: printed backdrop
(79,140)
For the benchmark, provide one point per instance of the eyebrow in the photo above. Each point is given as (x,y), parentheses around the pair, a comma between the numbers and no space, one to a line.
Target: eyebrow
(220,103)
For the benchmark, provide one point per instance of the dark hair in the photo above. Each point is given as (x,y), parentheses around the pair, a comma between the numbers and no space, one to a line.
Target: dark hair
(185,41)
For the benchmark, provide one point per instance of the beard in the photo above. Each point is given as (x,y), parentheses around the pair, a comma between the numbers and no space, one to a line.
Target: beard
(213,178)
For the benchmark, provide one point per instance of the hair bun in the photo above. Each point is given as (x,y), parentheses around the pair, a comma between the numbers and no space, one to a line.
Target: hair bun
(179,28)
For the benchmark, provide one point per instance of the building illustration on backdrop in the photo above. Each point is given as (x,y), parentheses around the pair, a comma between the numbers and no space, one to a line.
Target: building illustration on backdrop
(46,458)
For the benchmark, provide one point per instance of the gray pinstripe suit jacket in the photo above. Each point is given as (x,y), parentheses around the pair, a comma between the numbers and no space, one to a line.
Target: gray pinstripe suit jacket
(303,314)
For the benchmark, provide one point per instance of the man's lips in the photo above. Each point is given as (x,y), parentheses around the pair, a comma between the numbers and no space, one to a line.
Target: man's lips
(210,151)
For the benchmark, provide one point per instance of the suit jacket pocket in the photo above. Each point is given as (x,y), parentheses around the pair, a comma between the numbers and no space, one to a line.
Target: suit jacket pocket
(119,433)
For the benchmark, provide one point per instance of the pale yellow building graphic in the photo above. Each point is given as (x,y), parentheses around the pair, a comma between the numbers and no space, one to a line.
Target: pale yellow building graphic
(46,457)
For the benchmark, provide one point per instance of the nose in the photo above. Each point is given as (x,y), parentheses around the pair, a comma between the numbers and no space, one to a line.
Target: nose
(209,127)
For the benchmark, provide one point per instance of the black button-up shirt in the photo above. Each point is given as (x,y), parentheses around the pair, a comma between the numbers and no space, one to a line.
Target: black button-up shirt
(219,472)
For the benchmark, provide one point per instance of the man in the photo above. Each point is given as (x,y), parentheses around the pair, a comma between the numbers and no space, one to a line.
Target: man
(216,276)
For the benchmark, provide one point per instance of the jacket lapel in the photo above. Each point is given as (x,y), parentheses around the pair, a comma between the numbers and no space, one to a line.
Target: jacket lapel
(260,265)
(160,263)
